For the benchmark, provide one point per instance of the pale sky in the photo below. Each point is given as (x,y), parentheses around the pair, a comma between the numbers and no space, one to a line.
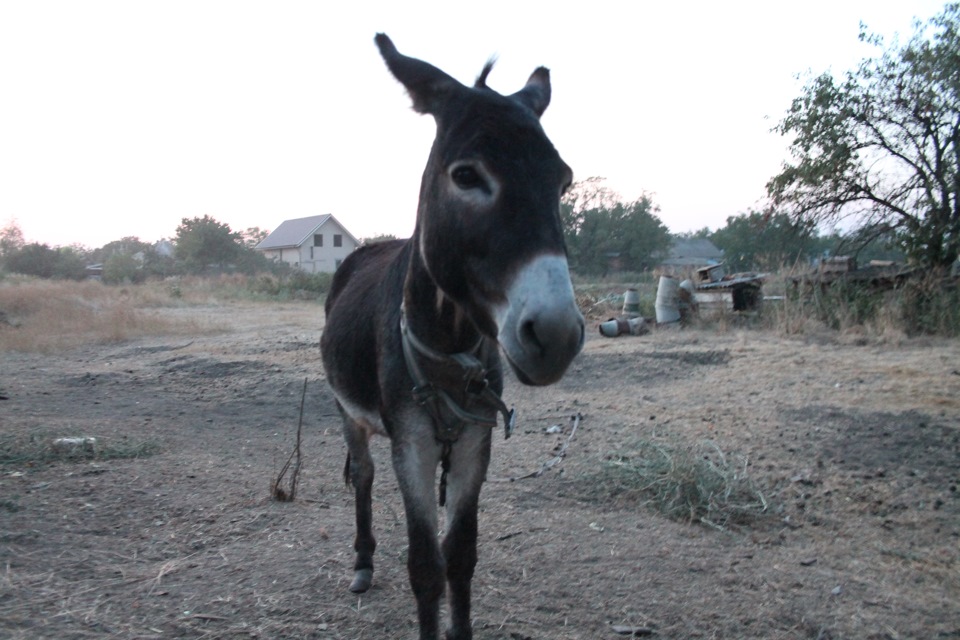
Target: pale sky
(121,118)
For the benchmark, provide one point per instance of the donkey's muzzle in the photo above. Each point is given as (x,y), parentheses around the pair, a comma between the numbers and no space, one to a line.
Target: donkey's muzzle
(541,329)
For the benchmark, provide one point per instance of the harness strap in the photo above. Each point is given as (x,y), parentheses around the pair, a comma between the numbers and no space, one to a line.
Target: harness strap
(465,359)
(475,378)
(428,395)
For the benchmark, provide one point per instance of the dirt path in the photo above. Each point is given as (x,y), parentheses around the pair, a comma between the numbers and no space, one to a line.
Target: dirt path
(855,447)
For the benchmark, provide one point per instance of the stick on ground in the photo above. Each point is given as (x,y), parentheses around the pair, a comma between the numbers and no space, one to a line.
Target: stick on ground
(549,464)
(276,491)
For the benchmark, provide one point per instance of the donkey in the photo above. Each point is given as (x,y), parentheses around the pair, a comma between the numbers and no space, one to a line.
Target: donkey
(414,327)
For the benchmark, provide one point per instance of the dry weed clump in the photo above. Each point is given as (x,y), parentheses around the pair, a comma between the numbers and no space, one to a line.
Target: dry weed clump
(41,446)
(691,483)
(920,305)
(931,305)
(603,300)
(51,315)
(599,307)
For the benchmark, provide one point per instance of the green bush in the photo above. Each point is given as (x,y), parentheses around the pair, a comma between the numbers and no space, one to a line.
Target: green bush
(295,284)
(122,268)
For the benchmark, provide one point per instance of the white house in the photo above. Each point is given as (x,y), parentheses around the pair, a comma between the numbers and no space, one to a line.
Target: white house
(314,244)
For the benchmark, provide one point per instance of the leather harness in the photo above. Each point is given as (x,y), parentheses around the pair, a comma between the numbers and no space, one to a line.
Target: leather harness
(449,417)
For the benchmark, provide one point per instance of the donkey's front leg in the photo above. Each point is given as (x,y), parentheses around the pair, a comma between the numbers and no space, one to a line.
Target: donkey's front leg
(468,469)
(415,460)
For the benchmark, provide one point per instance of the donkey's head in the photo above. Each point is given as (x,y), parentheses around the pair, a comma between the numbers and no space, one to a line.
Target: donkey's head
(488,225)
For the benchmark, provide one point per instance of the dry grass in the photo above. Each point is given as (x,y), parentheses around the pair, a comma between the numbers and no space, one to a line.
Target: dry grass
(39,446)
(601,300)
(690,483)
(126,549)
(924,305)
(48,316)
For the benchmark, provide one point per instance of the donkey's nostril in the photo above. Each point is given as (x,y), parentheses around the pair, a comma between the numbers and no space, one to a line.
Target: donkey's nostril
(528,334)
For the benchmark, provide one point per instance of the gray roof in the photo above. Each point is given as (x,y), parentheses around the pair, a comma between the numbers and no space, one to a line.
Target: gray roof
(695,248)
(293,233)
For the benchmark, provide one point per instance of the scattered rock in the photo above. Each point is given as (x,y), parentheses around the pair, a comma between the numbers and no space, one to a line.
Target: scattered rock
(636,632)
(69,446)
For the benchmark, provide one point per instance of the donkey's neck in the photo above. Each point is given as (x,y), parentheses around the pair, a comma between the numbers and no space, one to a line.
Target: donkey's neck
(433,316)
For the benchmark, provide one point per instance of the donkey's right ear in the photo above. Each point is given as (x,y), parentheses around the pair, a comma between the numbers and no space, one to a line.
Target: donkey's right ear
(427,85)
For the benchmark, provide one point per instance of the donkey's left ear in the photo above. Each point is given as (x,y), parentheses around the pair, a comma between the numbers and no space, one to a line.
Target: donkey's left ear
(427,85)
(536,94)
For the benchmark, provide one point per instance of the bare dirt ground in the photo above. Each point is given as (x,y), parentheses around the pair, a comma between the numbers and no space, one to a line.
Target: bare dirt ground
(854,444)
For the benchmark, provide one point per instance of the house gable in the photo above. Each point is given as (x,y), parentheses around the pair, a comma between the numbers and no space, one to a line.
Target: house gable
(313,244)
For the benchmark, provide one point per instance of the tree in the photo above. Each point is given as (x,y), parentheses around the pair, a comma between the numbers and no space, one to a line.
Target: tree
(704,233)
(204,242)
(600,228)
(763,241)
(881,146)
(71,263)
(40,260)
(250,261)
(127,246)
(122,268)
(33,259)
(253,236)
(640,237)
(380,237)
(582,196)
(11,240)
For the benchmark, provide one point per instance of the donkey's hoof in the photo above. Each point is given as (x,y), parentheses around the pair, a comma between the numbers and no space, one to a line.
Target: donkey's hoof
(362,580)
(461,634)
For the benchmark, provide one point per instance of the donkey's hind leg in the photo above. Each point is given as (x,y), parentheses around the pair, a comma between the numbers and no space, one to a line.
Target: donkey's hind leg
(359,473)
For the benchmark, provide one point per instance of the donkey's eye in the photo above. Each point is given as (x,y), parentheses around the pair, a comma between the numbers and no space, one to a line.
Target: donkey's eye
(466,178)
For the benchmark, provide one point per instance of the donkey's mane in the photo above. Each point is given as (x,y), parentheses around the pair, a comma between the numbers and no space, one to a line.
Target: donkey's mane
(481,82)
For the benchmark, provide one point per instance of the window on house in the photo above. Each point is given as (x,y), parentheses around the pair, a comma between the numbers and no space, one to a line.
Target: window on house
(311,253)
(337,240)
(337,263)
(318,239)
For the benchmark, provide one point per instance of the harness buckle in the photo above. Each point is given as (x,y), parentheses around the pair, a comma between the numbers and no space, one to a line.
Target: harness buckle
(476,388)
